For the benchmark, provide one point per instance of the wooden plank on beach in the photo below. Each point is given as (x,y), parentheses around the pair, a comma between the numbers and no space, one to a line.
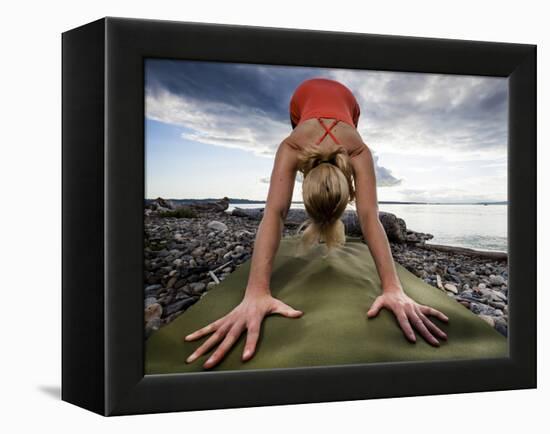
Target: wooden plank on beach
(498,256)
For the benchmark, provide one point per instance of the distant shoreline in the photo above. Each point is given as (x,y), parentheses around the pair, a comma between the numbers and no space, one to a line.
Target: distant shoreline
(384,202)
(456,237)
(185,257)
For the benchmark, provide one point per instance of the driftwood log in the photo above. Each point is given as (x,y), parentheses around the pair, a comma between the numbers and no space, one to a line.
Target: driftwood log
(497,256)
(395,227)
(160,204)
(219,205)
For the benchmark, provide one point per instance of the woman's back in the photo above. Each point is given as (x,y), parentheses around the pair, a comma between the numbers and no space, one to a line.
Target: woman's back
(324,112)
(309,131)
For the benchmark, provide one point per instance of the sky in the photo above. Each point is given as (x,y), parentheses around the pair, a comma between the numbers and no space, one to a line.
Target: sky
(212,130)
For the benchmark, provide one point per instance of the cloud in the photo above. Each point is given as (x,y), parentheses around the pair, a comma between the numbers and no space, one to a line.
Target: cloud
(217,123)
(457,117)
(384,177)
(261,89)
(445,195)
(451,118)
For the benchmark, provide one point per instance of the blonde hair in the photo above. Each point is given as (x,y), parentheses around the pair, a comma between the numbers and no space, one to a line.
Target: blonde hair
(327,188)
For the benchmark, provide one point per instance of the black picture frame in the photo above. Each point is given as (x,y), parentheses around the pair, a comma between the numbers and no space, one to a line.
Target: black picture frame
(103,194)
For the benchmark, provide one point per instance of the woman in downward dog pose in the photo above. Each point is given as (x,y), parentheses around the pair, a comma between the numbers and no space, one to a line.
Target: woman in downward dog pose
(337,169)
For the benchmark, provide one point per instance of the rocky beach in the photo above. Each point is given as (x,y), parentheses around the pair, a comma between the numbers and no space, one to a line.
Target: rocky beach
(193,247)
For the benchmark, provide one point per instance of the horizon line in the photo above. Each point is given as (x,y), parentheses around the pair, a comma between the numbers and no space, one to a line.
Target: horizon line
(236,200)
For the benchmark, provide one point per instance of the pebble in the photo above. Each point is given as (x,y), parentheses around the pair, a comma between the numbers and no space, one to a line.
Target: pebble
(150,300)
(199,251)
(501,326)
(216,225)
(450,287)
(476,289)
(179,306)
(153,311)
(438,281)
(488,319)
(198,287)
(181,251)
(496,280)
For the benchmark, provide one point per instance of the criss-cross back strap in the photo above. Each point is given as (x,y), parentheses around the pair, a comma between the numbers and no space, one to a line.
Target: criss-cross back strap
(328,131)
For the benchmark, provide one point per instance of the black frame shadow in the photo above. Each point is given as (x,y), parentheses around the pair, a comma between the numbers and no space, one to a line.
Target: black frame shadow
(103,193)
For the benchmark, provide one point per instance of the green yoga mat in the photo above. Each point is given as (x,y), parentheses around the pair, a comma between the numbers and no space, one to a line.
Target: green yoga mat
(334,291)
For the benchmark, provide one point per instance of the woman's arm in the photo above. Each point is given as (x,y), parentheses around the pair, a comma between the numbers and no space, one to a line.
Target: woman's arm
(408,313)
(257,301)
(268,237)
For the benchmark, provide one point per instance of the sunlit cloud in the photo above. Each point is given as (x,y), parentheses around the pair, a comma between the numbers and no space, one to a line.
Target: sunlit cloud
(446,124)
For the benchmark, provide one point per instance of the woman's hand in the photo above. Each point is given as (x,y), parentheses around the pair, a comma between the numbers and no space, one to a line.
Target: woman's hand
(410,314)
(248,315)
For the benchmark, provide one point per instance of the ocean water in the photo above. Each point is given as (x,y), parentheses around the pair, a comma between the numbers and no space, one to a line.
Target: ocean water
(482,227)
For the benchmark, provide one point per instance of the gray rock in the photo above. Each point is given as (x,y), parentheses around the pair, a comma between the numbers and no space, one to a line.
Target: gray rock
(497,305)
(199,251)
(488,319)
(497,280)
(180,283)
(478,308)
(152,287)
(451,288)
(244,233)
(198,286)
(217,226)
(501,326)
(179,306)
(227,255)
(150,300)
(438,281)
(153,311)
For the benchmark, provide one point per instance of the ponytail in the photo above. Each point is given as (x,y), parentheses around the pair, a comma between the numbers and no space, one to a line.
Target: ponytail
(332,234)
(327,188)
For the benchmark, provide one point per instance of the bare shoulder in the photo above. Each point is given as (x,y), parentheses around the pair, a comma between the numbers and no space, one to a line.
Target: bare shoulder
(286,155)
(361,160)
(359,151)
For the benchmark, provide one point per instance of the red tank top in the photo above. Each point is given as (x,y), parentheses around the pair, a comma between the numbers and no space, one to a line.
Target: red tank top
(323,98)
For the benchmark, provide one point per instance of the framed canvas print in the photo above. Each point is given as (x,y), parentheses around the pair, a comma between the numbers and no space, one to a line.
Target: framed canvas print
(259,216)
